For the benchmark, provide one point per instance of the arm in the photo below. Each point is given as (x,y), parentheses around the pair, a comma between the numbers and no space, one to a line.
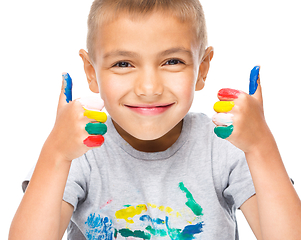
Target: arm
(276,207)
(250,210)
(38,216)
(42,214)
(277,204)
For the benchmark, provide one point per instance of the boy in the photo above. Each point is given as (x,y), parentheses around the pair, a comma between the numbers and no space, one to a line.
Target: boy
(161,172)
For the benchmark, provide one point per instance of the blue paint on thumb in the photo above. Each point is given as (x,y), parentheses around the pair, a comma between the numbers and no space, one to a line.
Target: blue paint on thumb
(67,87)
(253,80)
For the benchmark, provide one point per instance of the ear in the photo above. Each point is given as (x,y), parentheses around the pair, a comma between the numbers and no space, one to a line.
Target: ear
(90,71)
(204,68)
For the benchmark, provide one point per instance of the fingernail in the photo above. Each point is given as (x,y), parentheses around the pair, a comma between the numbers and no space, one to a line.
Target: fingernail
(223,132)
(228,93)
(67,86)
(92,103)
(223,106)
(253,80)
(96,128)
(94,141)
(223,119)
(96,115)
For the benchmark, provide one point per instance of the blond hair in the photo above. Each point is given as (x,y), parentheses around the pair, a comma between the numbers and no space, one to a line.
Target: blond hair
(104,11)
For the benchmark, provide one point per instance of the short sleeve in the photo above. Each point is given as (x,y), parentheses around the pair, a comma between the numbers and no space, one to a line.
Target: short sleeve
(237,183)
(77,182)
(27,179)
(76,185)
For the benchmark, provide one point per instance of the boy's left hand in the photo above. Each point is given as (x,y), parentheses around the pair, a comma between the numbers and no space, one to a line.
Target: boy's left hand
(249,129)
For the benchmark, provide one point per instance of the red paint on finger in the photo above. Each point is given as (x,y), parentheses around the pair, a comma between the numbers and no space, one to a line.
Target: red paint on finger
(228,94)
(94,141)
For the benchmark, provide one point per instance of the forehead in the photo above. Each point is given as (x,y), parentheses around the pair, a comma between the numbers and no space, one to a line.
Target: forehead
(146,35)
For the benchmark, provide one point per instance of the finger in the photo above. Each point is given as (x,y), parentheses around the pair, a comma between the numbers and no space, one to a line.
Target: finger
(66,90)
(92,103)
(228,94)
(94,141)
(96,115)
(254,76)
(255,86)
(223,119)
(96,128)
(67,87)
(223,132)
(223,106)
(258,93)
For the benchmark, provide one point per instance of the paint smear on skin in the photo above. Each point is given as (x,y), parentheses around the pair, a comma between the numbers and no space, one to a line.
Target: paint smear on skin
(137,233)
(130,212)
(191,203)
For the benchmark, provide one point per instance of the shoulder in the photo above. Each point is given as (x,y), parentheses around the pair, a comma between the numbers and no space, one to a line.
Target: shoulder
(202,131)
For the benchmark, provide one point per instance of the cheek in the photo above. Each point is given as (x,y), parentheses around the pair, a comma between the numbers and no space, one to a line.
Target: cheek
(112,88)
(183,86)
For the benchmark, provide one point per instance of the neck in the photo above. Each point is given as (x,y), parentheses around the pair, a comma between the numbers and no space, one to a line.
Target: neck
(156,145)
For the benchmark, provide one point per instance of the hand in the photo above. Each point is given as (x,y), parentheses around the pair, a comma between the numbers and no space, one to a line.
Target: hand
(69,136)
(241,117)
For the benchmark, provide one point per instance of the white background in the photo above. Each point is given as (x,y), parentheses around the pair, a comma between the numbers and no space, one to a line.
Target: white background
(41,39)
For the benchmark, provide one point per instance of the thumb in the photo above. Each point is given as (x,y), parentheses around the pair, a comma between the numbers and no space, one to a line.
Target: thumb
(255,86)
(66,90)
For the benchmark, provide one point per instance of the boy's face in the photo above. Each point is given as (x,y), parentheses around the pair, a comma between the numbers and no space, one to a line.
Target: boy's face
(147,71)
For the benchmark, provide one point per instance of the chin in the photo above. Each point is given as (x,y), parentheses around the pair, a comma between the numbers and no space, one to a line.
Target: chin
(148,135)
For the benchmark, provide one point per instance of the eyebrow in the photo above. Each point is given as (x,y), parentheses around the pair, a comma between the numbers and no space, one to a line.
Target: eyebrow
(116,53)
(176,50)
(123,53)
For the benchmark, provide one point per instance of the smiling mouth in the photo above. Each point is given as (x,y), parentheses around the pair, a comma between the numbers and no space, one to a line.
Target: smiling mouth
(150,109)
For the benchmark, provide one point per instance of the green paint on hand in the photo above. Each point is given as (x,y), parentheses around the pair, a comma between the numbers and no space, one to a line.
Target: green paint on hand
(223,132)
(137,233)
(191,203)
(96,128)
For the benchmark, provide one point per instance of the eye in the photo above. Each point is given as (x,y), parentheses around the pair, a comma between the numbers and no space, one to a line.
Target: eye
(174,62)
(122,65)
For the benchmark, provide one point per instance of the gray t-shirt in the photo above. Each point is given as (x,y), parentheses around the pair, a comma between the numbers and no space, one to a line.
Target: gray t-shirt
(189,191)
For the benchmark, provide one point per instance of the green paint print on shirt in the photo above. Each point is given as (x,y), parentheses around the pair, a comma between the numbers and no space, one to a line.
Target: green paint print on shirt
(191,203)
(137,233)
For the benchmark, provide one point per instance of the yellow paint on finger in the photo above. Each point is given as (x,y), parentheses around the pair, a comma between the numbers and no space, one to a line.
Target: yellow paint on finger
(223,106)
(97,116)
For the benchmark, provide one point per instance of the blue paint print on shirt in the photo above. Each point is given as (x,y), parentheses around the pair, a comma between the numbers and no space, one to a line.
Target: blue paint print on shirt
(147,227)
(98,228)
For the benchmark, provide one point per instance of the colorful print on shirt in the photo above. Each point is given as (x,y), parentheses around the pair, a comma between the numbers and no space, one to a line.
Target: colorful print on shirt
(102,228)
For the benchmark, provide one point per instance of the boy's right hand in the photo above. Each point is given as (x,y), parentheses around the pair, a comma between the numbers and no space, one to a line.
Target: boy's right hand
(68,133)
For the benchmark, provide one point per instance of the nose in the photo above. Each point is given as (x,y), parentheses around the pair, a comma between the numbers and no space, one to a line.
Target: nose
(149,84)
